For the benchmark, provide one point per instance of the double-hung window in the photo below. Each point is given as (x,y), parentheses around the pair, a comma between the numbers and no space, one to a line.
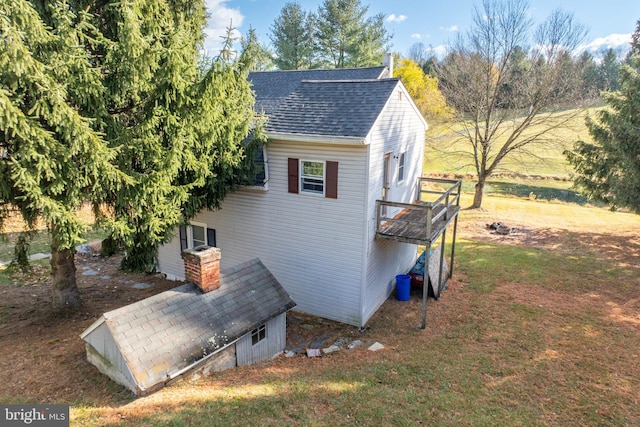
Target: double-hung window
(312,177)
(196,234)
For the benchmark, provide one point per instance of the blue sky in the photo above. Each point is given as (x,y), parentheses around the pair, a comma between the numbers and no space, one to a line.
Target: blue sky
(431,22)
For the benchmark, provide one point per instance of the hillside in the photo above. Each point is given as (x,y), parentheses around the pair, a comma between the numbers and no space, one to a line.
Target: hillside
(446,153)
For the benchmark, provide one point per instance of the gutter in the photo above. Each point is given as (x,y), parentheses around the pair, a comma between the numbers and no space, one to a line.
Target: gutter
(321,139)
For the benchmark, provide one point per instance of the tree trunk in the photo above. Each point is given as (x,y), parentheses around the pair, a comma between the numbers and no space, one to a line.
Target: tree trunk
(65,293)
(477,197)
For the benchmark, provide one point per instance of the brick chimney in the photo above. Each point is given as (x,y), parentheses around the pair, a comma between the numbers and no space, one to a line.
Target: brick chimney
(202,267)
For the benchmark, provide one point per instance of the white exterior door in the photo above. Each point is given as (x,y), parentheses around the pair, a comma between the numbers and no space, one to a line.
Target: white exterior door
(386,178)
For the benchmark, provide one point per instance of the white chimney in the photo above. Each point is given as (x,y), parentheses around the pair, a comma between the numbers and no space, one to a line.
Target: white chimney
(387,61)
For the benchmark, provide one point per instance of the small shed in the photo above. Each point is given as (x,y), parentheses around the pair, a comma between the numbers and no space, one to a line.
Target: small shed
(239,320)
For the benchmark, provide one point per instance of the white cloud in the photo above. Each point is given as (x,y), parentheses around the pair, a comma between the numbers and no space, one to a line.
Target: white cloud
(396,18)
(416,36)
(612,41)
(221,17)
(452,28)
(439,51)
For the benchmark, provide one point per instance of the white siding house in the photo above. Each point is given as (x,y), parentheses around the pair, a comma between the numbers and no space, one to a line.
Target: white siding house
(338,141)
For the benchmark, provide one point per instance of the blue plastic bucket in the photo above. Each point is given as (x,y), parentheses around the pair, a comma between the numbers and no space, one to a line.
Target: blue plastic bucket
(403,287)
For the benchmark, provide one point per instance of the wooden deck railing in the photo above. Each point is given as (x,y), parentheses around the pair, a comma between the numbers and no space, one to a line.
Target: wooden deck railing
(423,219)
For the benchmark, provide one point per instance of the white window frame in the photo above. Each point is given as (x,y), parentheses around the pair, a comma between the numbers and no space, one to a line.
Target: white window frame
(322,178)
(259,334)
(402,167)
(190,241)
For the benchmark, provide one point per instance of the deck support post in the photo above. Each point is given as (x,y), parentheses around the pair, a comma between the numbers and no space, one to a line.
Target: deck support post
(425,286)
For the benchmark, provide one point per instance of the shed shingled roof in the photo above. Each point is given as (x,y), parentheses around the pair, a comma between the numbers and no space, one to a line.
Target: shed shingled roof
(273,87)
(332,108)
(163,334)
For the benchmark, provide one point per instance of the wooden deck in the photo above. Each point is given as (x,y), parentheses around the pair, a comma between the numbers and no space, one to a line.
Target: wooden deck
(412,224)
(421,222)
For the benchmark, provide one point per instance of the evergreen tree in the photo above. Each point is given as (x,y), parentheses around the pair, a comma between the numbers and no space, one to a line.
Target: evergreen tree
(52,158)
(263,58)
(588,71)
(180,128)
(108,102)
(292,38)
(346,37)
(608,71)
(608,170)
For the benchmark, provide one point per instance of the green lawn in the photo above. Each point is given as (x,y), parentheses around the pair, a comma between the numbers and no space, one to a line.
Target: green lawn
(447,153)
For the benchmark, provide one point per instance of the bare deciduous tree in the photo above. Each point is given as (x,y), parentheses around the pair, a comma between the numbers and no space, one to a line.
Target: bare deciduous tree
(506,79)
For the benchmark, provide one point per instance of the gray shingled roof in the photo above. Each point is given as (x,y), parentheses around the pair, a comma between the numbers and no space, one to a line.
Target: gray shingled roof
(332,108)
(272,87)
(167,332)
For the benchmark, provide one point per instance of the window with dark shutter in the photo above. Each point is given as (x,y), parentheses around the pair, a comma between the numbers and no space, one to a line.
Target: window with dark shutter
(183,238)
(332,180)
(196,234)
(211,237)
(293,175)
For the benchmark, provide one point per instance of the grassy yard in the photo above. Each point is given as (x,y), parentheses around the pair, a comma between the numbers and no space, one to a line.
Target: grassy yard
(448,153)
(542,329)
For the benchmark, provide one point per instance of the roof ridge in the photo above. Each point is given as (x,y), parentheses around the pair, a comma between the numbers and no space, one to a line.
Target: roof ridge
(349,80)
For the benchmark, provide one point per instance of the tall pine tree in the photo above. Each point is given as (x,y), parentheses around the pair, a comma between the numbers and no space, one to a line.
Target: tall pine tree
(346,37)
(292,38)
(608,170)
(108,102)
(179,129)
(52,158)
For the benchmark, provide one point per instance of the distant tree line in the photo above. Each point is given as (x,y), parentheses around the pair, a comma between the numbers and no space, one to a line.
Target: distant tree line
(591,74)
